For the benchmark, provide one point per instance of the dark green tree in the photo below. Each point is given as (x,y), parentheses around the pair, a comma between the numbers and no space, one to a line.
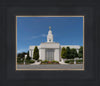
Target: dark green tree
(80,54)
(63,53)
(68,52)
(73,53)
(21,55)
(28,57)
(20,60)
(36,53)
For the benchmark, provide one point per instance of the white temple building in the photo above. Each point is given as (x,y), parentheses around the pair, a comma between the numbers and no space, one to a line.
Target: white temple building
(50,50)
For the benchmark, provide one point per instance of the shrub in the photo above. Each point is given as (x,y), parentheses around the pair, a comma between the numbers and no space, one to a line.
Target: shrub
(67,61)
(71,61)
(31,61)
(54,61)
(26,61)
(20,60)
(45,61)
(39,60)
(79,61)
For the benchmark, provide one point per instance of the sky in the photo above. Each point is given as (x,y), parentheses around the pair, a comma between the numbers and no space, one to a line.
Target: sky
(34,30)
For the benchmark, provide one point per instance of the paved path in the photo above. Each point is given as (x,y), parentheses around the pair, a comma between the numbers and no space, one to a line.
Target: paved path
(51,66)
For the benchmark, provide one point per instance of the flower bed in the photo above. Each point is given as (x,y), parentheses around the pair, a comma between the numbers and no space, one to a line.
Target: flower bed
(49,62)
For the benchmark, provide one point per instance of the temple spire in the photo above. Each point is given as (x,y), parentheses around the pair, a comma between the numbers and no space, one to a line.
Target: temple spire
(50,35)
(49,27)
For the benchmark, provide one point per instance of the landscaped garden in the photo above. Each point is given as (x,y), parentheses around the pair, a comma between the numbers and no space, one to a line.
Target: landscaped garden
(21,59)
(66,53)
(49,62)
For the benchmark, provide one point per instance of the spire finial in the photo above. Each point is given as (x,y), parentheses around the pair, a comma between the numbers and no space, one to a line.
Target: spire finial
(49,27)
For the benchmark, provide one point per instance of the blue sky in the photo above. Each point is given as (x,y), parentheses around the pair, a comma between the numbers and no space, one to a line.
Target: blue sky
(34,30)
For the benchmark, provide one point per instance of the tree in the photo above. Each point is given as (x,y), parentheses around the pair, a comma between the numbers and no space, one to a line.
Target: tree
(36,53)
(28,57)
(68,52)
(21,55)
(80,54)
(63,53)
(73,53)
(20,60)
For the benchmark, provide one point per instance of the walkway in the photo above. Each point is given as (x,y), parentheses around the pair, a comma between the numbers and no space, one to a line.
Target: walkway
(51,66)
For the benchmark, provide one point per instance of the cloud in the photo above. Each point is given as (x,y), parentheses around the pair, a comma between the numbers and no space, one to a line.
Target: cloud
(42,35)
(33,37)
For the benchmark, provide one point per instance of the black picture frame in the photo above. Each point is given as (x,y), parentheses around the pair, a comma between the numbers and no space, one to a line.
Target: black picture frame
(9,76)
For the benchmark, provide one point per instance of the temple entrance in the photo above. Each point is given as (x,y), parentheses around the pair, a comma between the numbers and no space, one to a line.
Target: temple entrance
(49,54)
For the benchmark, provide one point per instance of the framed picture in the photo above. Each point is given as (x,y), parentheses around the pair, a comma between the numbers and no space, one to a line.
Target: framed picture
(50,44)
(49,55)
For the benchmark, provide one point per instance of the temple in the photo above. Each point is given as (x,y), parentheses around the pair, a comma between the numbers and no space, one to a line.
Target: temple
(50,50)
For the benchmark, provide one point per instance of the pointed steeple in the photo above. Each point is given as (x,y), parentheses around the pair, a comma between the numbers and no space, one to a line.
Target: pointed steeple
(49,27)
(50,35)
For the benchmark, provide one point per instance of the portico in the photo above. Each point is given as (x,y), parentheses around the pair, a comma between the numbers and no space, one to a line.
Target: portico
(50,51)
